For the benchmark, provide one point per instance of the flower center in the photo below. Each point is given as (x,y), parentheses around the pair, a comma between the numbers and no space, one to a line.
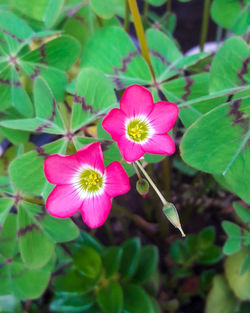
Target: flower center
(91,180)
(137,130)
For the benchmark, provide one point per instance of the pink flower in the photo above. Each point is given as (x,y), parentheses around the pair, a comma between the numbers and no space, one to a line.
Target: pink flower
(140,125)
(84,184)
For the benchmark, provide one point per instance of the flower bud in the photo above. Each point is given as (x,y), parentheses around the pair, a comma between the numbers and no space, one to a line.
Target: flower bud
(142,187)
(172,215)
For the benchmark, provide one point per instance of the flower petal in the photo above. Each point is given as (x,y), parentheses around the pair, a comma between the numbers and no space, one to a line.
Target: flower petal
(96,210)
(160,144)
(117,181)
(130,151)
(92,155)
(59,169)
(163,116)
(63,201)
(136,100)
(114,123)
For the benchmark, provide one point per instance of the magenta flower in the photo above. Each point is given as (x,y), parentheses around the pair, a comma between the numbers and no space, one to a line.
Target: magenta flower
(140,125)
(84,184)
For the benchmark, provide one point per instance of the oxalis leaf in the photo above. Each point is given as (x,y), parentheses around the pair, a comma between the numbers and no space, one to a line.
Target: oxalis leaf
(15,277)
(50,61)
(38,231)
(111,50)
(93,98)
(47,117)
(29,166)
(217,143)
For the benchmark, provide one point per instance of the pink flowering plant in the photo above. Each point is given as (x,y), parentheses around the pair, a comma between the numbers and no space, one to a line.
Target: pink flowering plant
(109,137)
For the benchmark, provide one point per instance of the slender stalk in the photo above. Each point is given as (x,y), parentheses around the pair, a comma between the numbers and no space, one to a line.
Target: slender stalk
(163,200)
(34,200)
(126,20)
(145,8)
(205,21)
(140,33)
(137,173)
(169,6)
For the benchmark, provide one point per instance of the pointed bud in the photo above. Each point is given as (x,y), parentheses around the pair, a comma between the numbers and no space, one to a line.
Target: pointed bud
(142,187)
(172,215)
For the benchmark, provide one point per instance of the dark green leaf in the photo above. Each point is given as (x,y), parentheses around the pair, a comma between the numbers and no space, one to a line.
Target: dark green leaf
(136,300)
(130,257)
(110,298)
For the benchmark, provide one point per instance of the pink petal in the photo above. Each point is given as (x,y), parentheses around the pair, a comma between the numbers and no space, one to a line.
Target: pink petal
(114,123)
(160,144)
(59,169)
(117,181)
(92,155)
(136,100)
(96,210)
(163,116)
(63,201)
(130,151)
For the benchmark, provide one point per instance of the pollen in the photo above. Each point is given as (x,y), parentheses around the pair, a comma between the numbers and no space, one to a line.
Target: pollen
(90,180)
(137,130)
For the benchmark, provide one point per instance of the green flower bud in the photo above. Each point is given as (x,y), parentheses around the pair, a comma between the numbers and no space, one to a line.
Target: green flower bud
(142,187)
(172,215)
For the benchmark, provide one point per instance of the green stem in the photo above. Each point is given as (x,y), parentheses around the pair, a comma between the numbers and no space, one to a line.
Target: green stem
(205,21)
(140,33)
(137,173)
(163,200)
(126,20)
(145,8)
(34,201)
(169,6)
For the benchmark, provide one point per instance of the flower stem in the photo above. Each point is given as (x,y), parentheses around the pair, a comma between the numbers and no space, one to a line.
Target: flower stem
(137,173)
(169,209)
(163,200)
(205,21)
(169,6)
(126,20)
(140,33)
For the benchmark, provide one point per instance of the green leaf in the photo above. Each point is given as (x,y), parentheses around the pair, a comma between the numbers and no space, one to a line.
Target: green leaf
(221,299)
(210,255)
(44,11)
(240,284)
(88,240)
(15,277)
(88,261)
(74,281)
(147,264)
(230,66)
(82,25)
(156,2)
(243,212)
(220,139)
(110,298)
(130,257)
(112,51)
(111,259)
(94,97)
(106,9)
(50,61)
(38,231)
(166,58)
(5,206)
(68,302)
(246,265)
(15,136)
(47,118)
(29,166)
(231,15)
(35,247)
(136,300)
(206,237)
(234,241)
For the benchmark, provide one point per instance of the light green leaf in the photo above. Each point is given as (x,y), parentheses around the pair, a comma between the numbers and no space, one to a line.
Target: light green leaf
(5,206)
(29,166)
(112,51)
(93,98)
(240,284)
(221,299)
